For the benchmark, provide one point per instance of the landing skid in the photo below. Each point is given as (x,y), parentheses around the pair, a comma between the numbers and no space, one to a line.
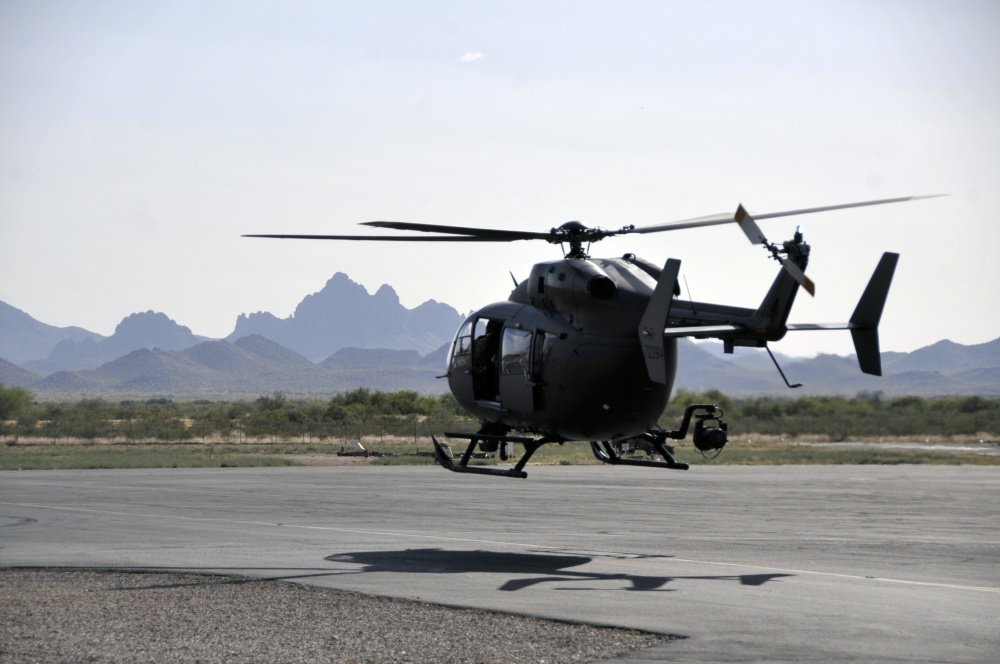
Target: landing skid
(531,445)
(709,434)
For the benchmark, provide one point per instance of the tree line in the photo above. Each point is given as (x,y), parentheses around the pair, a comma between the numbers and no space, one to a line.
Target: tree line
(364,412)
(866,414)
(353,414)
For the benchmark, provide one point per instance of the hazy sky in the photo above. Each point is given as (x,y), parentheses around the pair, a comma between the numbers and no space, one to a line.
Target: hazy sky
(138,140)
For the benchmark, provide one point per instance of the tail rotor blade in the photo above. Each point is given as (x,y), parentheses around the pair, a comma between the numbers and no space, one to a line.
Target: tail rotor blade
(756,236)
(749,226)
(798,275)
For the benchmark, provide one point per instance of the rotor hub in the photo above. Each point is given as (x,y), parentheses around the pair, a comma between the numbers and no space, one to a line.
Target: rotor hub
(575,234)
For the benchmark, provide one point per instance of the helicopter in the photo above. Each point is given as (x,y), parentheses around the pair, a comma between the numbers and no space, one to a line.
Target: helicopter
(585,349)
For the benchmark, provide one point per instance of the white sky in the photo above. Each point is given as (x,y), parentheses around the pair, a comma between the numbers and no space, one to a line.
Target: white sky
(138,140)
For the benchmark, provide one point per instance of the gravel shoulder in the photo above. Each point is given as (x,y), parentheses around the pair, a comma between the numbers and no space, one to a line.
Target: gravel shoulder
(69,615)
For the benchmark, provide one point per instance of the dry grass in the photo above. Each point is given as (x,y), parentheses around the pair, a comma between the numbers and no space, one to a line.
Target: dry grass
(42,453)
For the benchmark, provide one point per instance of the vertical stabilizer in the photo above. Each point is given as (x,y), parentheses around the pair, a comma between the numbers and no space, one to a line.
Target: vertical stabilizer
(868,313)
(654,320)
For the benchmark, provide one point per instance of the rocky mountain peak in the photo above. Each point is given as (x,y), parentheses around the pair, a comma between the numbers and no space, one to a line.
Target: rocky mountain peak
(152,329)
(387,294)
(343,314)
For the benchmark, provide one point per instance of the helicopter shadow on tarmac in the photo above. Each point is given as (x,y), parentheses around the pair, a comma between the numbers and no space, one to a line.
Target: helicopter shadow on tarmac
(538,568)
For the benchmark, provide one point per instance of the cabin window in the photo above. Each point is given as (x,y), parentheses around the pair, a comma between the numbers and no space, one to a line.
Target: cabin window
(543,348)
(515,353)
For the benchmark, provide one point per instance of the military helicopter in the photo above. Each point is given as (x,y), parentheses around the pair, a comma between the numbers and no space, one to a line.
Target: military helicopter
(585,349)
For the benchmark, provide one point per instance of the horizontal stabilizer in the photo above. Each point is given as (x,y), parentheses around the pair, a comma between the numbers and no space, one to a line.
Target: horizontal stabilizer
(804,327)
(700,330)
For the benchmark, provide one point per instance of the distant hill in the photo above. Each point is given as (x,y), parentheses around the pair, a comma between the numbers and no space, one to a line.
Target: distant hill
(252,365)
(343,314)
(147,330)
(141,370)
(371,357)
(11,374)
(946,357)
(438,358)
(22,338)
(272,352)
(700,369)
(939,369)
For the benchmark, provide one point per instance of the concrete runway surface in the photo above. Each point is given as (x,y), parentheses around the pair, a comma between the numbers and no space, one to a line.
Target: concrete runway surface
(791,563)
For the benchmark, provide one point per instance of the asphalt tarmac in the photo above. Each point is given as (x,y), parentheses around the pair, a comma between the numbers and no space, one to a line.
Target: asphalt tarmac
(791,563)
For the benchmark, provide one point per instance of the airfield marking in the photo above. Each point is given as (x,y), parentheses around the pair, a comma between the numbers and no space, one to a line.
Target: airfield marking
(932,584)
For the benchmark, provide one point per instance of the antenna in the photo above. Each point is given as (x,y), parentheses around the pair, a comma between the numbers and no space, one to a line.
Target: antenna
(688,289)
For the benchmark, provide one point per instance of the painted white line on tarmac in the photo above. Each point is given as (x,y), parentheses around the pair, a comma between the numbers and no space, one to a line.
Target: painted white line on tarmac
(424,536)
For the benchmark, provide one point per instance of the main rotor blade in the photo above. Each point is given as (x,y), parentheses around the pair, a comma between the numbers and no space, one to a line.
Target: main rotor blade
(727,218)
(492,233)
(841,206)
(578,234)
(696,222)
(388,238)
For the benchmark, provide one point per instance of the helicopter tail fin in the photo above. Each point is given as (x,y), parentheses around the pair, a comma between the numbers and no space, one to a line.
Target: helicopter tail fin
(865,319)
(868,313)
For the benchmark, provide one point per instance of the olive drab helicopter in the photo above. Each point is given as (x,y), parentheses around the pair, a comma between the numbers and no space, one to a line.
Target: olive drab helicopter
(585,349)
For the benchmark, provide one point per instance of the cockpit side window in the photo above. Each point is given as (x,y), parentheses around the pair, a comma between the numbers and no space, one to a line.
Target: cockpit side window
(544,344)
(461,350)
(485,351)
(515,352)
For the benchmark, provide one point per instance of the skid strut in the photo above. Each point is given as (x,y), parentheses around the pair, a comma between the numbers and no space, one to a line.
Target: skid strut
(710,434)
(605,452)
(531,445)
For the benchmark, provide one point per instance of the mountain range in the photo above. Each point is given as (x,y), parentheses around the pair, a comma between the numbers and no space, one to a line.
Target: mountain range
(342,337)
(250,365)
(943,368)
(341,314)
